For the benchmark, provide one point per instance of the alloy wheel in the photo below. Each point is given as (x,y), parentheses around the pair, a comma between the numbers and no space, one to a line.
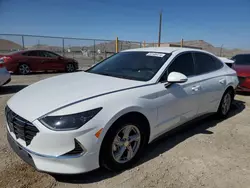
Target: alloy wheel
(70,67)
(126,144)
(24,69)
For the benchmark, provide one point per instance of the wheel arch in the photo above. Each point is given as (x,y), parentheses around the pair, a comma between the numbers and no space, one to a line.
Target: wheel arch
(131,114)
(125,114)
(231,88)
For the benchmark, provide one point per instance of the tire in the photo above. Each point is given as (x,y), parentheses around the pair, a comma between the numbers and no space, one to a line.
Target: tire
(109,155)
(225,104)
(70,67)
(23,69)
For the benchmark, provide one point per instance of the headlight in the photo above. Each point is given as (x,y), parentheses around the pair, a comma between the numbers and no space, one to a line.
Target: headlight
(69,122)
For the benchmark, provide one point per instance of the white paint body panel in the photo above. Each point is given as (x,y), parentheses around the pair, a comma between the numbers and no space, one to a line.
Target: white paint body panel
(4,76)
(164,108)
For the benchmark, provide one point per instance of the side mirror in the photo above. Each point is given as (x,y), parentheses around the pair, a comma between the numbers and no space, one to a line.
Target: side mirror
(176,77)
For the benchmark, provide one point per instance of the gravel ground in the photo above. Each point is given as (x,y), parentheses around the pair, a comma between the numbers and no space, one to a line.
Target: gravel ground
(208,153)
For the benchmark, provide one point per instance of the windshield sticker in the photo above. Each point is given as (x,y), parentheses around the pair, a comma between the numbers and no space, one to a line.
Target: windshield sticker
(155,54)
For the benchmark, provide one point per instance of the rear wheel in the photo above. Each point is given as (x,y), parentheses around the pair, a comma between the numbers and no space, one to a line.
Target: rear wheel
(123,145)
(70,67)
(23,69)
(225,104)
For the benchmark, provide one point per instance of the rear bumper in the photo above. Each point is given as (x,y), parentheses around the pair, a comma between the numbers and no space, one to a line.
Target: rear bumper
(244,84)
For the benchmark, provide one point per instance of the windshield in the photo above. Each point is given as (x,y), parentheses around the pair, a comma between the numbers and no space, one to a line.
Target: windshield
(141,66)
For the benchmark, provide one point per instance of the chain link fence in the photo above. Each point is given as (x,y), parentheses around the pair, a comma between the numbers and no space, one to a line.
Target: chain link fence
(85,51)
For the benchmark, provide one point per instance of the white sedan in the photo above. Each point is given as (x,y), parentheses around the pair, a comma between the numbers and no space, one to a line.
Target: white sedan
(77,122)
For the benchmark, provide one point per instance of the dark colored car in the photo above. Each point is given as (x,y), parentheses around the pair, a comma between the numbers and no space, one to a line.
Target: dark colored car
(242,67)
(24,62)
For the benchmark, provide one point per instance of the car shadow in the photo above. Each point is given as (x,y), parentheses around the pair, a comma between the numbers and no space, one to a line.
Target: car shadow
(161,145)
(10,89)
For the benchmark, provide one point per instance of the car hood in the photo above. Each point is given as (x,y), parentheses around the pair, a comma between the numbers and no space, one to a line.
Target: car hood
(50,94)
(242,70)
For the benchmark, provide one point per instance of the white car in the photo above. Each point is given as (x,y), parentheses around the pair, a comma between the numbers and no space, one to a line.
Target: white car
(77,122)
(4,73)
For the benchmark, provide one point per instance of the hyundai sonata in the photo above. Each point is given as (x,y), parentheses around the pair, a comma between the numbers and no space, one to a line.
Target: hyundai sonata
(77,122)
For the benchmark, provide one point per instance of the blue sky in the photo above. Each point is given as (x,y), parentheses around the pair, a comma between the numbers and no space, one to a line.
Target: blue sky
(216,21)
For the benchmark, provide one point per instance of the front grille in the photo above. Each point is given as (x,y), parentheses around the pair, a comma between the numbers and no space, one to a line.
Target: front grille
(241,79)
(22,128)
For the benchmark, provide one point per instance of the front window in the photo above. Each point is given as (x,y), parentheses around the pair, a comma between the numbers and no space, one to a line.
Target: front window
(141,66)
(48,54)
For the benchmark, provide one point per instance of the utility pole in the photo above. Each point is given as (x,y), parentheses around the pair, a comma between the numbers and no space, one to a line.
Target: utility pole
(221,49)
(159,36)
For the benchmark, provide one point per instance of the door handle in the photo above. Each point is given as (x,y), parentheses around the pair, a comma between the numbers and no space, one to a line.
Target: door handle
(196,88)
(222,81)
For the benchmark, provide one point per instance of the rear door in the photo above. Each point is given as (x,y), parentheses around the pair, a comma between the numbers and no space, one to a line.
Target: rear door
(51,61)
(33,59)
(213,81)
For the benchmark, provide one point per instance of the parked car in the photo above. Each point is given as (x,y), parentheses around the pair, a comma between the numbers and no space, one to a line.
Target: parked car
(4,74)
(24,62)
(75,123)
(242,67)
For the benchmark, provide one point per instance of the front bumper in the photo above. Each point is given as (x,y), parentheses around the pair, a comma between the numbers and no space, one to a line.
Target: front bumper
(23,154)
(7,81)
(55,164)
(243,89)
(63,152)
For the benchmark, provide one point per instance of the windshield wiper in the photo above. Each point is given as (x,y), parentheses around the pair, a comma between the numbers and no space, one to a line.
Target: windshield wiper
(117,76)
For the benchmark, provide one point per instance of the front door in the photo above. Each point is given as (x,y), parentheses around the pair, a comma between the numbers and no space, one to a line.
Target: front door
(178,102)
(50,61)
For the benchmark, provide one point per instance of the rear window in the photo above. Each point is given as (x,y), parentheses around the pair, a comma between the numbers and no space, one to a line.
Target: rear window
(141,66)
(242,59)
(206,63)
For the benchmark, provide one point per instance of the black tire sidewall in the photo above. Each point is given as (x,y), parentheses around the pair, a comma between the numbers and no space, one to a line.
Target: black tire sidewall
(106,158)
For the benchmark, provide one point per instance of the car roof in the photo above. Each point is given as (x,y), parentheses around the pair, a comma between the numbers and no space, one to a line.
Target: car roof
(163,49)
(20,51)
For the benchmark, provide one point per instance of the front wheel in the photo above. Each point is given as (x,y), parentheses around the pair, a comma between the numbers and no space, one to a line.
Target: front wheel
(225,104)
(70,67)
(123,145)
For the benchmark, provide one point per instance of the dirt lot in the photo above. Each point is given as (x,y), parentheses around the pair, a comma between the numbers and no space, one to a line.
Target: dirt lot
(209,153)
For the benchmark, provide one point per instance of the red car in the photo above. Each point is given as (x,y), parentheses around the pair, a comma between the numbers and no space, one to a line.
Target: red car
(242,67)
(24,62)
